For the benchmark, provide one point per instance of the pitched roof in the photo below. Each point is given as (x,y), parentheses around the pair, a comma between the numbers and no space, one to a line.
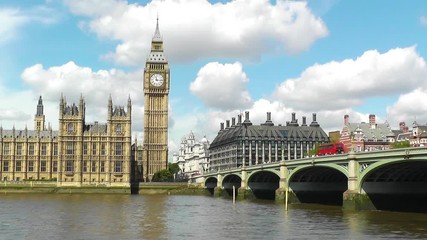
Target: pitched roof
(285,133)
(96,128)
(371,132)
(28,133)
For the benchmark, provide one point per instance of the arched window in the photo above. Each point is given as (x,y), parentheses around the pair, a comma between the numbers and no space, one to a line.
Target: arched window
(118,128)
(70,127)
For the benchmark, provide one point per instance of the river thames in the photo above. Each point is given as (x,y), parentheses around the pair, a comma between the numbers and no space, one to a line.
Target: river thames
(97,216)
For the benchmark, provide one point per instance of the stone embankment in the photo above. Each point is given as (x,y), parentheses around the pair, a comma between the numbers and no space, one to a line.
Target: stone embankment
(171,188)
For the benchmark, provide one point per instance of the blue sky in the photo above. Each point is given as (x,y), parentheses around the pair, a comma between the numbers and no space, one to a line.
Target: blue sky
(332,57)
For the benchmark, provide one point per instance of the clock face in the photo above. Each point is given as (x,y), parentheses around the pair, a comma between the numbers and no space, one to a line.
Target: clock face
(156,80)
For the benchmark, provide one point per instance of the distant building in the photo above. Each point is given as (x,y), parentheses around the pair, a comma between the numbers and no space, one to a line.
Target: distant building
(403,134)
(77,154)
(193,156)
(419,135)
(366,136)
(244,144)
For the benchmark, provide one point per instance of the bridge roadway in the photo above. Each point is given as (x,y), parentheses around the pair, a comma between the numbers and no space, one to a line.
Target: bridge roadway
(383,180)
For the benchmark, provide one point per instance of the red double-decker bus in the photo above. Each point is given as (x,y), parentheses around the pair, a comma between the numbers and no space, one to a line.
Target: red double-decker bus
(331,148)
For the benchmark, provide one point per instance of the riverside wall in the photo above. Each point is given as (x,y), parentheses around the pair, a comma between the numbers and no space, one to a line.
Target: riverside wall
(170,188)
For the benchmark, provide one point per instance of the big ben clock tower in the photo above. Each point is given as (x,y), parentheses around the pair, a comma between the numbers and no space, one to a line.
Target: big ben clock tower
(156,100)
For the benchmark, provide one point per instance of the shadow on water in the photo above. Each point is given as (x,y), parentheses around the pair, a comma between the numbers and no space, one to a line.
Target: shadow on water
(134,188)
(327,197)
(265,194)
(210,190)
(416,203)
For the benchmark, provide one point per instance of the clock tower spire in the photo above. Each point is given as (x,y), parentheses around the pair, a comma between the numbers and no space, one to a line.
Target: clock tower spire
(156,100)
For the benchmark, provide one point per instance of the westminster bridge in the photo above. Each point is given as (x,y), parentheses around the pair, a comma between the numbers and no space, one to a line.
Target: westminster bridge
(386,180)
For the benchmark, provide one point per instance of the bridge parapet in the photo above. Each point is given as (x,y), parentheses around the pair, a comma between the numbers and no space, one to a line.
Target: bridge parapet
(355,166)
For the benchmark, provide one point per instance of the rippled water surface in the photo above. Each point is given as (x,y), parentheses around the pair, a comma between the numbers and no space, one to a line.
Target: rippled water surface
(63,216)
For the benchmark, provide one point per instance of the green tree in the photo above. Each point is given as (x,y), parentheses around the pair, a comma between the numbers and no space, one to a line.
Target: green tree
(173,168)
(403,144)
(162,176)
(314,151)
(335,136)
(166,175)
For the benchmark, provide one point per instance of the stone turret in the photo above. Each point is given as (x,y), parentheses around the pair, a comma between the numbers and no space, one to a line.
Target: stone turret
(129,106)
(39,118)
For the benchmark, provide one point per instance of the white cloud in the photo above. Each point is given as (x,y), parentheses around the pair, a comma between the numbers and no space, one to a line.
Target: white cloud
(16,113)
(13,19)
(197,29)
(346,84)
(95,86)
(423,20)
(222,86)
(409,107)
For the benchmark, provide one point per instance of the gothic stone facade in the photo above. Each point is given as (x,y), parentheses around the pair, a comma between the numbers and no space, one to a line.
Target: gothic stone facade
(76,154)
(156,99)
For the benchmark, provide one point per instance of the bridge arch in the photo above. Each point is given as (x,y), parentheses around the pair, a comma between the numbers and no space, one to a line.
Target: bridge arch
(231,180)
(211,183)
(264,183)
(320,183)
(396,185)
(328,165)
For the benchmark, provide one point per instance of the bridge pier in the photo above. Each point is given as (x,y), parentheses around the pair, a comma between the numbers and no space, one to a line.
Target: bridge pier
(354,201)
(218,191)
(280,194)
(352,198)
(281,197)
(244,193)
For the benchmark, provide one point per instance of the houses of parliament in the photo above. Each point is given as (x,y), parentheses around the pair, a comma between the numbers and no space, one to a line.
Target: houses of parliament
(81,153)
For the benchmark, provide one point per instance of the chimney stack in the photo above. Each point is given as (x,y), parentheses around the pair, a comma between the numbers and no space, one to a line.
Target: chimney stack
(402,127)
(233,121)
(294,121)
(268,122)
(346,120)
(372,119)
(247,122)
(314,122)
(222,126)
(239,119)
(304,121)
(227,123)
